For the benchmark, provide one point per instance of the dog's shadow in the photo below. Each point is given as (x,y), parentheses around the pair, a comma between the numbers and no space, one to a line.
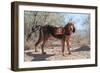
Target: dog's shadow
(82,48)
(39,57)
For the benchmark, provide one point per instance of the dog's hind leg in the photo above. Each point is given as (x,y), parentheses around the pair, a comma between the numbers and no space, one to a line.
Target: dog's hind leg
(39,40)
(44,41)
(36,44)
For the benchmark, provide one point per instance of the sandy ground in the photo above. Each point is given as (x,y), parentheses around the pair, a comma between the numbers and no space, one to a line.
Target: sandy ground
(82,52)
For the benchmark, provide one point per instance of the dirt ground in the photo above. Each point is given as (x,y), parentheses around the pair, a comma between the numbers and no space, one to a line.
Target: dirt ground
(55,53)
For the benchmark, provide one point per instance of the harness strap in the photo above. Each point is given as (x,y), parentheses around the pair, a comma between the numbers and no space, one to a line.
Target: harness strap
(59,30)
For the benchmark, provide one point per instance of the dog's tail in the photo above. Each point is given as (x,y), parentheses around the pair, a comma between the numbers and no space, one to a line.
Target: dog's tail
(34,29)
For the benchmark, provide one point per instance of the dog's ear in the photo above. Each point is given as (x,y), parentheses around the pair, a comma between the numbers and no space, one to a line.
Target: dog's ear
(74,29)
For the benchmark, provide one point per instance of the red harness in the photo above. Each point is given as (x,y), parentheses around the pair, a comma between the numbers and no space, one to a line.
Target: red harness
(59,30)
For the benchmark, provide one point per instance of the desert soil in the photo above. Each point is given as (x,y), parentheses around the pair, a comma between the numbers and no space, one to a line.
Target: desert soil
(82,52)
